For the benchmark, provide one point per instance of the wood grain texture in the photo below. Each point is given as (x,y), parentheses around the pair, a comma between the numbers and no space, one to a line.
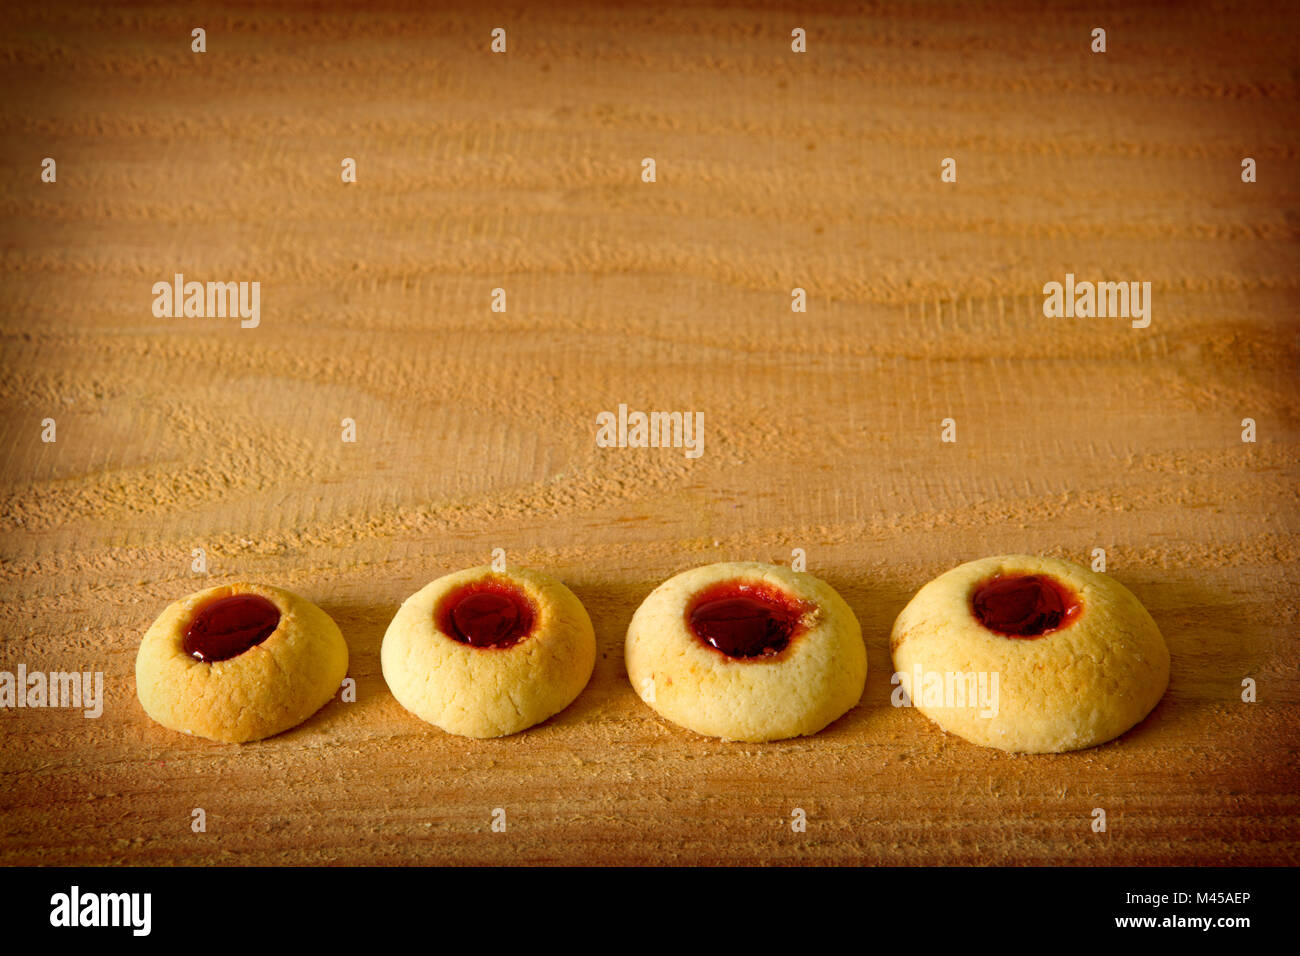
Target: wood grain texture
(476,430)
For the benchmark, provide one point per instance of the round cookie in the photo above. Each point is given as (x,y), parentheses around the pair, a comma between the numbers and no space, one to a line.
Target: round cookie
(746,651)
(239,662)
(481,653)
(1059,657)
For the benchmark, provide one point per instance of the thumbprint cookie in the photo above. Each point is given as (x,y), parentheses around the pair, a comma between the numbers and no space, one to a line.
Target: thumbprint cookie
(1029,655)
(746,651)
(239,662)
(481,653)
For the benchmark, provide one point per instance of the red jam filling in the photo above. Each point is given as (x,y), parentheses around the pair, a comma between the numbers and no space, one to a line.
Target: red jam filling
(744,620)
(229,626)
(486,614)
(1024,605)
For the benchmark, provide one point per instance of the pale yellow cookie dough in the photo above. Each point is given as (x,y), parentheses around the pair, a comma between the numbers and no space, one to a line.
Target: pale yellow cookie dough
(1072,688)
(489,691)
(815,680)
(266,690)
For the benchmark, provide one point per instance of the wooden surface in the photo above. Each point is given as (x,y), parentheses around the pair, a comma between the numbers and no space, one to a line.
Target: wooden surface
(477,430)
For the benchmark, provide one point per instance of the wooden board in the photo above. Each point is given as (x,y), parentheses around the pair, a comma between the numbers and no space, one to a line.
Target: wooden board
(476,430)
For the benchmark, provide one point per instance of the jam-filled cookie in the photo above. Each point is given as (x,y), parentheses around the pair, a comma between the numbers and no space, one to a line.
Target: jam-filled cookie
(1029,655)
(746,651)
(239,662)
(485,654)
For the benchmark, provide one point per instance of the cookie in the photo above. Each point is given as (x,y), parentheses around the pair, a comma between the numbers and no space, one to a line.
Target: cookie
(481,653)
(746,651)
(239,662)
(1029,655)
